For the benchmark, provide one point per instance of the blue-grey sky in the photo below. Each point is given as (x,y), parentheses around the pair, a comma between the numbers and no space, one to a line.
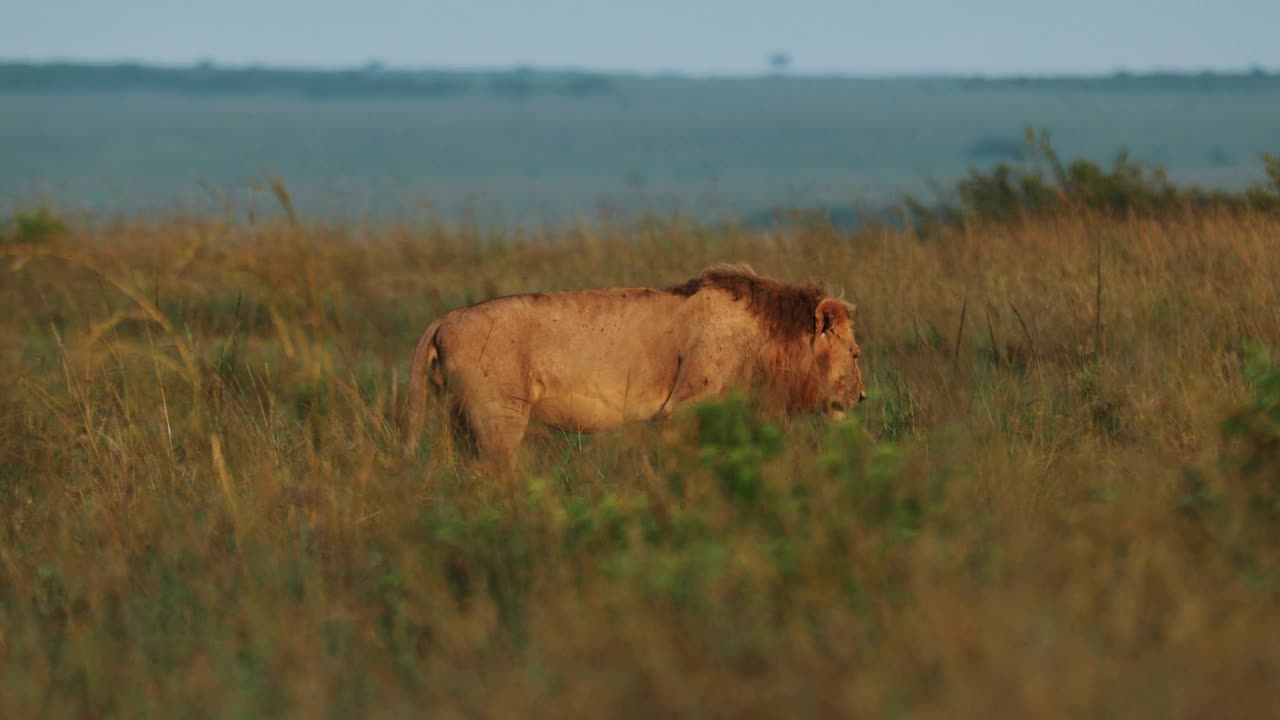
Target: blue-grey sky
(692,36)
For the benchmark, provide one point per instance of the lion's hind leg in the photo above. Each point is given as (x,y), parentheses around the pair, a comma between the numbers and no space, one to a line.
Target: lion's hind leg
(497,425)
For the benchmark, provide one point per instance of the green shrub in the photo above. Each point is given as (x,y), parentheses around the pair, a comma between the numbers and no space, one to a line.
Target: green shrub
(37,226)
(735,443)
(1253,431)
(1039,182)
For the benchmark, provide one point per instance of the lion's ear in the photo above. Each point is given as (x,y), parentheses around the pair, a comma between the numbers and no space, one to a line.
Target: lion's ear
(831,314)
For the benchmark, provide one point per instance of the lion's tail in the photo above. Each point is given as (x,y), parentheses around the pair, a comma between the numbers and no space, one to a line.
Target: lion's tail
(425,357)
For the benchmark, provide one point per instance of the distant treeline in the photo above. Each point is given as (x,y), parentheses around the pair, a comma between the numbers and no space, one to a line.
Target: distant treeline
(1254,80)
(370,81)
(375,80)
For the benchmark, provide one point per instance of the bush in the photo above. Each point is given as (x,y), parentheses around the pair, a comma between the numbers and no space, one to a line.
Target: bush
(734,442)
(37,226)
(1253,431)
(1039,182)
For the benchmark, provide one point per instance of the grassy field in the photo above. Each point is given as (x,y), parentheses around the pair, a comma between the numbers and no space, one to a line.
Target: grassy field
(1060,500)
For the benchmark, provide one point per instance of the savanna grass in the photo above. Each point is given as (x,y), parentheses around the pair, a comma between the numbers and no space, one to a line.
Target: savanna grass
(1063,505)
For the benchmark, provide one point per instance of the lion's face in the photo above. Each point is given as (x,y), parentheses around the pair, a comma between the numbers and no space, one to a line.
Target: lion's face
(836,352)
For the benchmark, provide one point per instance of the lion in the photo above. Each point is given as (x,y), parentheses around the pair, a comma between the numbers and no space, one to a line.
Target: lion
(591,360)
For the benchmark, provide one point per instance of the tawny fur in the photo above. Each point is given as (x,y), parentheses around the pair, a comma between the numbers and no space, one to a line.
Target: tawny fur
(590,360)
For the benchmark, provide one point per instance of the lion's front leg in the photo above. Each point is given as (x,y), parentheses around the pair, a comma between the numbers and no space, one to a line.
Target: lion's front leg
(705,373)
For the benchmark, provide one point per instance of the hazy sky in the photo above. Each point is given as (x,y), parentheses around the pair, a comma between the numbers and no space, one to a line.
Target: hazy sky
(695,36)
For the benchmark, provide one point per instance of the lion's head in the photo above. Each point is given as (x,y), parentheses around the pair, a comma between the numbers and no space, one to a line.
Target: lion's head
(836,352)
(809,357)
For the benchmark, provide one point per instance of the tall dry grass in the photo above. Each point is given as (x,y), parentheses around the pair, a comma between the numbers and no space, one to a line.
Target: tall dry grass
(203,510)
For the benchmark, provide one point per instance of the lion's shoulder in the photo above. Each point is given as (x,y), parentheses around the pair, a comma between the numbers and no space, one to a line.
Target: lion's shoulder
(785,311)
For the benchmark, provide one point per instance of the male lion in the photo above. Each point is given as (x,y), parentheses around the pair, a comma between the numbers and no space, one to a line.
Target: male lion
(590,360)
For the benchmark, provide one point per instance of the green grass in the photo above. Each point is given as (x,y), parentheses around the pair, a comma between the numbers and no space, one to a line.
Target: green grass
(1056,510)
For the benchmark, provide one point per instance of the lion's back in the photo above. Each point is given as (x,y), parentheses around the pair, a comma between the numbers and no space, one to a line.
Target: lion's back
(571,336)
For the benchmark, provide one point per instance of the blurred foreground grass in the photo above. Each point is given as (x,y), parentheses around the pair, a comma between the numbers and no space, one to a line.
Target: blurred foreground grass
(1047,508)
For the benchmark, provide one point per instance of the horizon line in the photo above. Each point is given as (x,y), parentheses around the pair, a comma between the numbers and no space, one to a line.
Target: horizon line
(380,66)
